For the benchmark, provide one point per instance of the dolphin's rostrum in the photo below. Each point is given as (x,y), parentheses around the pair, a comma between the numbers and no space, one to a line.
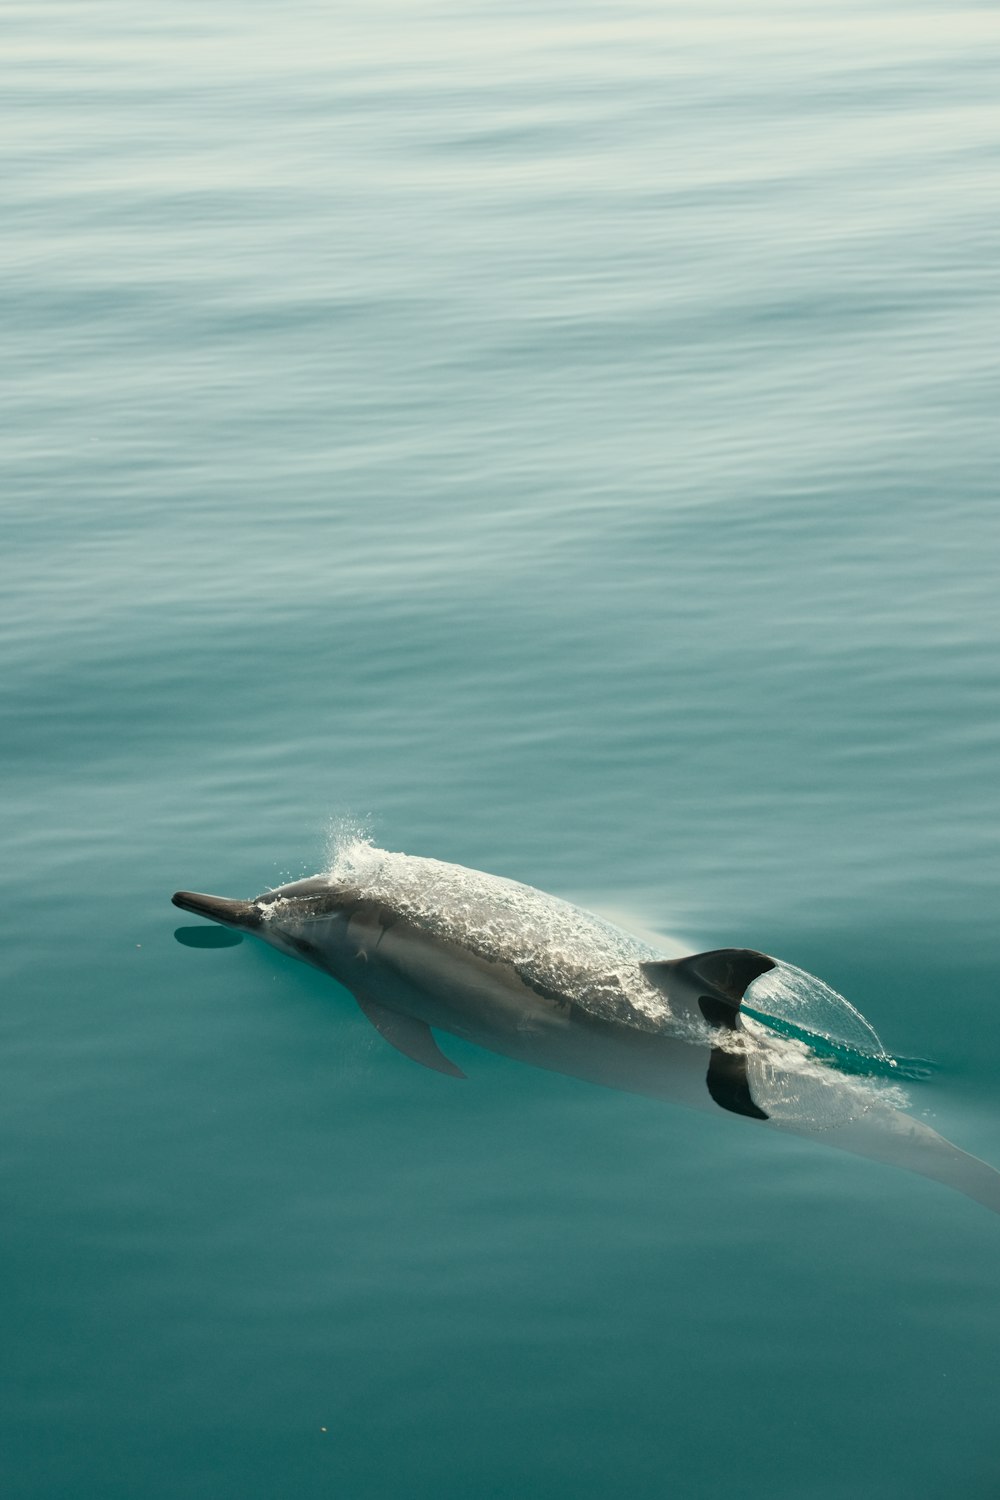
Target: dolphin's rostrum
(426,946)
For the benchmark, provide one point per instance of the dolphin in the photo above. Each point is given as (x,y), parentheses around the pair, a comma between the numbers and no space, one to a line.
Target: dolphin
(427,947)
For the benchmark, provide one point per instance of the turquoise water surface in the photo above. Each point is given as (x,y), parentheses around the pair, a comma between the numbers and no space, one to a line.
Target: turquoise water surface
(560,440)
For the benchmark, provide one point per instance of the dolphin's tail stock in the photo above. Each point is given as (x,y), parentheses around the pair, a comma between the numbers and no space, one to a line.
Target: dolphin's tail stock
(896,1138)
(811,1101)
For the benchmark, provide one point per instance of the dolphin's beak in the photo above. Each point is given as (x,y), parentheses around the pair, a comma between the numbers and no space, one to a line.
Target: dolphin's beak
(242,914)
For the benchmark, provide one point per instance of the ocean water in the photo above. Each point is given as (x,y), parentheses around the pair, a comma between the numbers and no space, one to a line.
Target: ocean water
(560,440)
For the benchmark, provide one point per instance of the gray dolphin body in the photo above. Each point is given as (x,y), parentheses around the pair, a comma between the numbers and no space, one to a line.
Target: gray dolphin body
(426,946)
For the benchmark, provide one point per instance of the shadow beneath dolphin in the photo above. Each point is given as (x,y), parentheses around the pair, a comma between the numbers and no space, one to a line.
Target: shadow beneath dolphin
(207,937)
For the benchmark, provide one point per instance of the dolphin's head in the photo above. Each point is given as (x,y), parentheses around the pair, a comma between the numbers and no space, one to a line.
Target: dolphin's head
(302,919)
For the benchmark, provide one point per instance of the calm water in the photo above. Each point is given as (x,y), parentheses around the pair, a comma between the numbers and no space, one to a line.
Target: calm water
(564,440)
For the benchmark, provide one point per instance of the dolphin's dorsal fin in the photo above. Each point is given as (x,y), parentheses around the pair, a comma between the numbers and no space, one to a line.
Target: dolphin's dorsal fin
(708,985)
(411,1037)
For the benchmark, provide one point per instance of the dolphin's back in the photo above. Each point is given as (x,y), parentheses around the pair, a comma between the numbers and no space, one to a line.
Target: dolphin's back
(556,948)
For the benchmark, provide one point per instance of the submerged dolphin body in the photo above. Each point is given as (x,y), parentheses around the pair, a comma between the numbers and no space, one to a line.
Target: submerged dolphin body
(424,945)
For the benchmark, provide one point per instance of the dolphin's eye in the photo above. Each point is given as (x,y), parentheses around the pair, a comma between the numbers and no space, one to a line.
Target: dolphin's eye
(304,949)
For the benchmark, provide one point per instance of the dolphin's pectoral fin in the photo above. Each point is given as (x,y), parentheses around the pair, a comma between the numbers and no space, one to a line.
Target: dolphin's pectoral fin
(411,1037)
(708,985)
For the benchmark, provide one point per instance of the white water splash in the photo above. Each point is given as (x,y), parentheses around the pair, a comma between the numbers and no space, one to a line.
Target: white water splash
(812,1007)
(342,835)
(816,1060)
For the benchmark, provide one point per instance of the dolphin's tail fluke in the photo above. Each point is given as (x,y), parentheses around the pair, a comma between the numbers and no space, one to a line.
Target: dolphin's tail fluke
(242,914)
